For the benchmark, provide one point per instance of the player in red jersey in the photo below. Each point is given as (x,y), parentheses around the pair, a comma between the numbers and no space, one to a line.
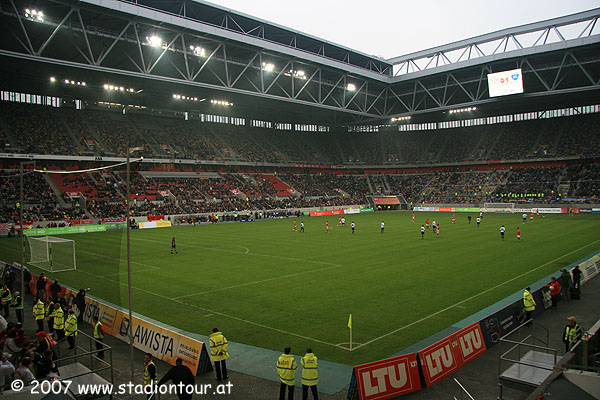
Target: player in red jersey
(326,226)
(427,223)
(518,233)
(453,218)
(413,217)
(294,224)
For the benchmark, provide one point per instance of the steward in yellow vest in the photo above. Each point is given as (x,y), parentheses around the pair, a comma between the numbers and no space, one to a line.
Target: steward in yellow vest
(218,353)
(572,333)
(528,303)
(59,321)
(18,306)
(71,328)
(6,298)
(310,375)
(286,369)
(39,313)
(99,336)
(150,373)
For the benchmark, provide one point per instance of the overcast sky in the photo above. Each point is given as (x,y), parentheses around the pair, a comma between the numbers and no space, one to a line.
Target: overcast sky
(390,28)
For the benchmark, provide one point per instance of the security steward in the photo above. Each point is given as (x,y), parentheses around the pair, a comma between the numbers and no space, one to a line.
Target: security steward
(218,353)
(6,298)
(528,303)
(71,329)
(571,334)
(99,336)
(59,321)
(150,376)
(39,313)
(18,306)
(286,368)
(310,375)
(49,309)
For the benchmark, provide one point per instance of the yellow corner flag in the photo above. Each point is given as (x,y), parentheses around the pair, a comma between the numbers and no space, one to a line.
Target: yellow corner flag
(350,322)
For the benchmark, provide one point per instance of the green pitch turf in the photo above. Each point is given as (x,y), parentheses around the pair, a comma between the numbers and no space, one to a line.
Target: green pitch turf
(263,284)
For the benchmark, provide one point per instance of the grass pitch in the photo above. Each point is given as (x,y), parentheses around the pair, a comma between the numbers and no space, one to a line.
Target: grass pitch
(266,285)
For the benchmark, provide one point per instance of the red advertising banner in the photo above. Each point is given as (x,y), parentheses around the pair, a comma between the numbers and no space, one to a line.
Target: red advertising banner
(470,342)
(446,356)
(385,200)
(155,217)
(329,212)
(80,221)
(446,209)
(388,378)
(439,360)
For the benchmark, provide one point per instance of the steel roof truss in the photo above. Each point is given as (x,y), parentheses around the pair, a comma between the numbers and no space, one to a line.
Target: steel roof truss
(29,46)
(113,44)
(248,64)
(53,34)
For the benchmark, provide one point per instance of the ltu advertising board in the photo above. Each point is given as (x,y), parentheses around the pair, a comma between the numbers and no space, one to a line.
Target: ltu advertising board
(505,82)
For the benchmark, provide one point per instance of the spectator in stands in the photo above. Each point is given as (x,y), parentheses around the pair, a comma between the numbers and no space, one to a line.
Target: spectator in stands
(179,374)
(45,367)
(6,369)
(24,372)
(41,286)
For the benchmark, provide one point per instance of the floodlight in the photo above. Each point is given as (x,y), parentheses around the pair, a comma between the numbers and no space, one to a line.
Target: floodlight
(52,79)
(154,41)
(351,87)
(269,67)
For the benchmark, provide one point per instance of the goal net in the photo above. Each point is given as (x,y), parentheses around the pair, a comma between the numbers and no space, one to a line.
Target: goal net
(51,253)
(499,207)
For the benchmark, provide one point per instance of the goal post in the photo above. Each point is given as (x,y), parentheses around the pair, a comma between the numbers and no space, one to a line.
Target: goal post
(52,253)
(499,207)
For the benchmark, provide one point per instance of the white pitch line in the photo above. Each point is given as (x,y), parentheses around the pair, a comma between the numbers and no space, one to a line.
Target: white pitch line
(472,297)
(211,312)
(245,253)
(255,282)
(118,258)
(136,271)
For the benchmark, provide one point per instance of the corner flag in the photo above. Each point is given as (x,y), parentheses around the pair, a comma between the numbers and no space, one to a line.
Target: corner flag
(350,322)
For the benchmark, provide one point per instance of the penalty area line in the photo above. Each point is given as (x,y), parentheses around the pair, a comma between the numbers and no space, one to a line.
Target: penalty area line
(211,312)
(474,296)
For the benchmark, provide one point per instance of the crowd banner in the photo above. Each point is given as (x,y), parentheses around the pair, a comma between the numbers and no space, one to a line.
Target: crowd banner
(67,230)
(364,210)
(388,378)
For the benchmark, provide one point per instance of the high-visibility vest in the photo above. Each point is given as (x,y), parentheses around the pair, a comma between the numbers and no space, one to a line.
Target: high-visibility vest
(528,301)
(310,375)
(286,368)
(5,295)
(218,347)
(570,333)
(59,318)
(71,325)
(18,303)
(97,331)
(48,308)
(38,310)
(147,375)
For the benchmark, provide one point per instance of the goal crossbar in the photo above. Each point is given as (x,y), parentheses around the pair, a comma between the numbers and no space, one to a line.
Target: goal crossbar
(51,253)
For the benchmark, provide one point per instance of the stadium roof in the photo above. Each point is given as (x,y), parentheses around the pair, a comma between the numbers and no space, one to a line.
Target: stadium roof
(269,72)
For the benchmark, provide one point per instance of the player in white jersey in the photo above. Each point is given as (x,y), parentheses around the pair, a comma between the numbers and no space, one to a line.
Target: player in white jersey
(352,225)
(502,230)
(433,225)
(524,217)
(382,226)
(422,232)
(478,221)
(343,221)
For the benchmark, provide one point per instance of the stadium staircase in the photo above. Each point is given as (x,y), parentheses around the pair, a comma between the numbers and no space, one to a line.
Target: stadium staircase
(68,128)
(283,190)
(55,190)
